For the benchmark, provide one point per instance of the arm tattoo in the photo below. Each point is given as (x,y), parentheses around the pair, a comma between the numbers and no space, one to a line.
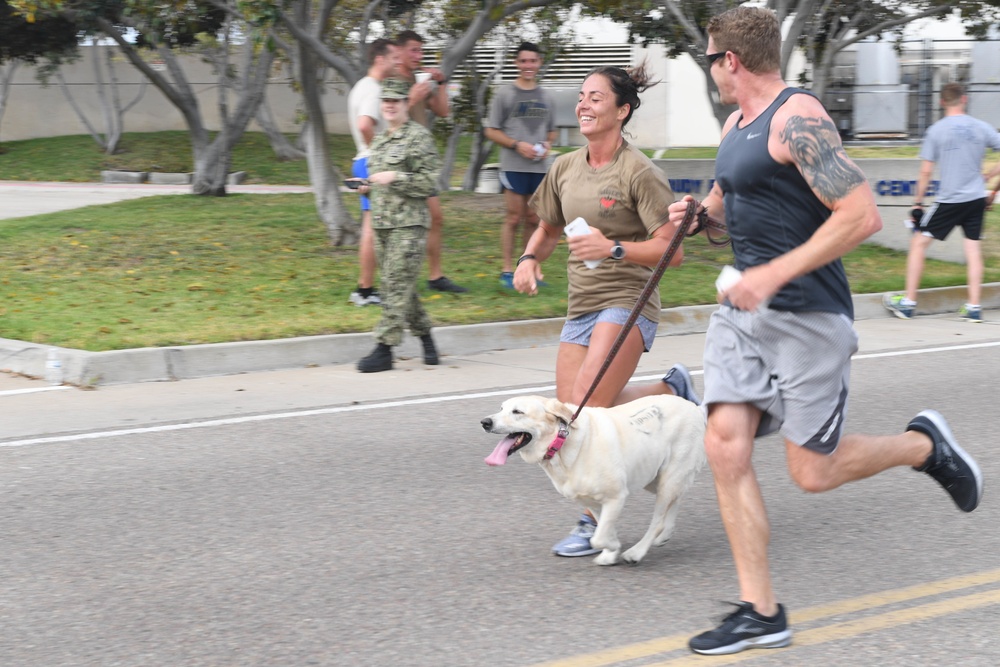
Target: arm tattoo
(815,146)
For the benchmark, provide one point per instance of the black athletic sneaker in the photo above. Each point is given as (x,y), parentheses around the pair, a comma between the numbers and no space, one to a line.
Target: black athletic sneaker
(443,284)
(743,629)
(948,463)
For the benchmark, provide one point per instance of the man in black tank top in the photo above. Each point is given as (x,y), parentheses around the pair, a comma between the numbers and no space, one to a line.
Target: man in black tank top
(794,204)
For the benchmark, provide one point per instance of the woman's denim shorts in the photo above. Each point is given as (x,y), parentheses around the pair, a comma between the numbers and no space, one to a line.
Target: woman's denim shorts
(578,329)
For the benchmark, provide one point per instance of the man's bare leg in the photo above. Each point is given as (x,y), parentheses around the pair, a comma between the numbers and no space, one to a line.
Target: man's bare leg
(511,222)
(974,264)
(729,440)
(434,237)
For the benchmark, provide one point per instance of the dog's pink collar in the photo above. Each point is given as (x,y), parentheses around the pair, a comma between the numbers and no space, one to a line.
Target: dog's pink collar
(558,441)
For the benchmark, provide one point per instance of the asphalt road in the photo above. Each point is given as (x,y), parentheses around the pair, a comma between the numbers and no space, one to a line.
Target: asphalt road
(319,517)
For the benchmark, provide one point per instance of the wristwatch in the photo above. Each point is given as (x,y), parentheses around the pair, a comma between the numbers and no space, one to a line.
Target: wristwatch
(617,251)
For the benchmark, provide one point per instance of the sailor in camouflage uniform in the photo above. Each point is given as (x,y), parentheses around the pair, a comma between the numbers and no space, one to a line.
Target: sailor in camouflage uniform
(403,168)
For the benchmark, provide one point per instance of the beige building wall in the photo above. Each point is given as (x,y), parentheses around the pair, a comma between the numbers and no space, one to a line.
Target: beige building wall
(38,110)
(676,112)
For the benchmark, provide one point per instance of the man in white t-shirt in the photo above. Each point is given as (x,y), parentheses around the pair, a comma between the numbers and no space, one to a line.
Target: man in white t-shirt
(522,122)
(365,121)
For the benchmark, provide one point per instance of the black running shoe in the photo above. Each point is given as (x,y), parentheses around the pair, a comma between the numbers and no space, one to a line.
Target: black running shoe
(948,463)
(443,284)
(743,629)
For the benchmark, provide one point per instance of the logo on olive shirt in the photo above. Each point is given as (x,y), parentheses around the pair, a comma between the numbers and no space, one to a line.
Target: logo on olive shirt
(608,201)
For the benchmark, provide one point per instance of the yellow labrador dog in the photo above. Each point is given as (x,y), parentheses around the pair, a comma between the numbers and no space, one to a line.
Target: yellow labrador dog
(655,443)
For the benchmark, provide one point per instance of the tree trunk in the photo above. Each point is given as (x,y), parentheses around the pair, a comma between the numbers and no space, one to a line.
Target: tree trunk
(448,161)
(211,158)
(6,76)
(821,73)
(481,146)
(107,92)
(282,147)
(478,153)
(118,125)
(340,226)
(210,169)
(82,117)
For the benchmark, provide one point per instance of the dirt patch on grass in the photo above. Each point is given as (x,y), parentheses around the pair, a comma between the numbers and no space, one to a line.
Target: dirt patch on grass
(480,203)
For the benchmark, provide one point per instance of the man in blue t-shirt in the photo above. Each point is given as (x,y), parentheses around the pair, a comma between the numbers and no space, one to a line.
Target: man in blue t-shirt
(956,143)
(522,122)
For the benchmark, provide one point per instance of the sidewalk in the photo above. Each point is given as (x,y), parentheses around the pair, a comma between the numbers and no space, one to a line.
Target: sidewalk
(88,369)
(22,198)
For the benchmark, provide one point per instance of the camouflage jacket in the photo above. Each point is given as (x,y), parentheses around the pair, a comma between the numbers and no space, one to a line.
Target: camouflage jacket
(411,153)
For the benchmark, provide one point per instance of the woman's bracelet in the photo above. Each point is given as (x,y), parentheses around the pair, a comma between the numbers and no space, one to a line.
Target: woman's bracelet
(523,258)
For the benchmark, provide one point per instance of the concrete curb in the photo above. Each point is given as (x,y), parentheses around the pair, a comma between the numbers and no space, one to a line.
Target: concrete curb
(158,364)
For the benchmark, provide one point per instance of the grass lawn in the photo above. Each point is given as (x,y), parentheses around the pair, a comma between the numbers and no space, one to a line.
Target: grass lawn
(181,269)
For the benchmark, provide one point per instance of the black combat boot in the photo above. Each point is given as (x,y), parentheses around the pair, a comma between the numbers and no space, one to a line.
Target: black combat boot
(379,360)
(430,352)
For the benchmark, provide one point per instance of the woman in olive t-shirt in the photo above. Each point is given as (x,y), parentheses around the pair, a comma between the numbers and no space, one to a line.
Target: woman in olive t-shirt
(624,199)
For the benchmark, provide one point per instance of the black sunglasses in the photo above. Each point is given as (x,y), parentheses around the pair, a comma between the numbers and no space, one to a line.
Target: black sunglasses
(712,57)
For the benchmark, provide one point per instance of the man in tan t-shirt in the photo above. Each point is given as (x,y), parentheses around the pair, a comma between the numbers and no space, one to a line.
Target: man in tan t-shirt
(428,98)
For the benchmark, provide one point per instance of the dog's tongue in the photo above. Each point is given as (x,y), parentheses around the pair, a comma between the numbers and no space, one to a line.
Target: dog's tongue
(499,455)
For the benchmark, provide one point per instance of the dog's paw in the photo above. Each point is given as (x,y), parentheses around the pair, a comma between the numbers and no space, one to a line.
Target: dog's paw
(663,538)
(607,557)
(634,555)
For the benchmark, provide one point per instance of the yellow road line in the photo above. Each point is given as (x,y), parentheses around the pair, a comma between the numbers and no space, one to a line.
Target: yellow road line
(853,628)
(672,643)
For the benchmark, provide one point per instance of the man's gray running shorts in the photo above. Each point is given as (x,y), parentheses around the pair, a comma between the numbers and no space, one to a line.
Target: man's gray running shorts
(794,367)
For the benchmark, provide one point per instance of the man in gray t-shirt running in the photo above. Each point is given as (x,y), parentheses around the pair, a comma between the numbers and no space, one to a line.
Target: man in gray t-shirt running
(956,144)
(522,123)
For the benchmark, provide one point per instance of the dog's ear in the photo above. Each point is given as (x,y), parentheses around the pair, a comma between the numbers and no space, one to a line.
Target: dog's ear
(559,409)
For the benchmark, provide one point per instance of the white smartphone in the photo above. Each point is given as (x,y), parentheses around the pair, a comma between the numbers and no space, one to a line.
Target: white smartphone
(579,227)
(729,277)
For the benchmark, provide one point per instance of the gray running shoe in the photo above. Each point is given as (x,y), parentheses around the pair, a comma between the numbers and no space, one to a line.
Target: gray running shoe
(948,463)
(577,543)
(743,629)
(678,378)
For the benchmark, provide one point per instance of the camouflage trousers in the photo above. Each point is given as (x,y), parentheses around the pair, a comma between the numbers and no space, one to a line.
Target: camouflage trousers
(400,253)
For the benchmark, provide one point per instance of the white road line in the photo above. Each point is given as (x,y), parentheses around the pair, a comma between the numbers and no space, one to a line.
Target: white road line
(33,390)
(258,418)
(401,403)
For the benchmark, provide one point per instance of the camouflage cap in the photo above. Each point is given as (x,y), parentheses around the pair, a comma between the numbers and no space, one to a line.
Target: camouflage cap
(395,89)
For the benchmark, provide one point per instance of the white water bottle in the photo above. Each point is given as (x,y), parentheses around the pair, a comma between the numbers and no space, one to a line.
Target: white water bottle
(53,368)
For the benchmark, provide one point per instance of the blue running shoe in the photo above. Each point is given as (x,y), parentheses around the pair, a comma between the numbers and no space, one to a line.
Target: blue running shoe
(678,378)
(507,279)
(899,306)
(577,543)
(971,313)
